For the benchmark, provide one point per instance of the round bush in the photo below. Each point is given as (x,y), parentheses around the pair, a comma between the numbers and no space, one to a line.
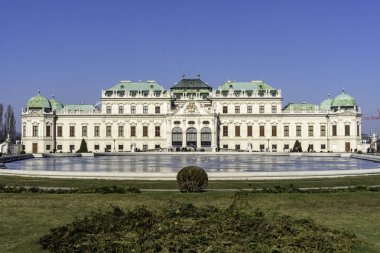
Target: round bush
(192,179)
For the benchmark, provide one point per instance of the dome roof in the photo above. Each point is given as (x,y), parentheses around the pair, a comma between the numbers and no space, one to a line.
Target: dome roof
(55,104)
(38,102)
(326,104)
(343,100)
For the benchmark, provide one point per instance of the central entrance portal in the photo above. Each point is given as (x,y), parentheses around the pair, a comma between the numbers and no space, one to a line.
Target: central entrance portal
(191,137)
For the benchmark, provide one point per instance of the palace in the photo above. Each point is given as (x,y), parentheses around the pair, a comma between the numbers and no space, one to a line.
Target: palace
(143,116)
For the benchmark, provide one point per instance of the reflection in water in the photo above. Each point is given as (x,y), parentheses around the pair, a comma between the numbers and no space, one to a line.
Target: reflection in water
(172,163)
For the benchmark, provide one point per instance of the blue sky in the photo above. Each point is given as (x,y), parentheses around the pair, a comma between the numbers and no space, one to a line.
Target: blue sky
(73,49)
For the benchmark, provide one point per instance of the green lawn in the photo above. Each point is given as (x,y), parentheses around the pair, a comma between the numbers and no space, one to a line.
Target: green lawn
(26,217)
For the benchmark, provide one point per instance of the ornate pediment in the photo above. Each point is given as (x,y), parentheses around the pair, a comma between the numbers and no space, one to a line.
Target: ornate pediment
(192,108)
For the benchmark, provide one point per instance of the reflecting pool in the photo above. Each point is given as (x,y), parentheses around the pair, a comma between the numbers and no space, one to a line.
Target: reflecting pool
(173,163)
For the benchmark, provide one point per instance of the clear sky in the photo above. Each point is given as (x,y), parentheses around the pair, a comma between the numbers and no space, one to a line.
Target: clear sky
(75,48)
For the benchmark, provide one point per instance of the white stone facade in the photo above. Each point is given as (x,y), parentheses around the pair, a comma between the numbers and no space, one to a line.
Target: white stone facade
(136,119)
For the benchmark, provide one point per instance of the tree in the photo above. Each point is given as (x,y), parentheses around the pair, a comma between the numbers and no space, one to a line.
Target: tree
(297,146)
(1,124)
(10,124)
(83,147)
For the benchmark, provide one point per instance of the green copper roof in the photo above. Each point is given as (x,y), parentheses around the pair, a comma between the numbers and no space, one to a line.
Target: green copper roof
(343,100)
(55,104)
(80,108)
(326,104)
(136,86)
(300,107)
(248,86)
(38,102)
(191,84)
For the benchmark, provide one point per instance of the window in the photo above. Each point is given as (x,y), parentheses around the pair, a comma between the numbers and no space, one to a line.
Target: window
(237,131)
(334,132)
(72,147)
(121,109)
(108,131)
(323,131)
(274,131)
(157,131)
(108,109)
(262,147)
(72,131)
(225,109)
(237,109)
(237,147)
(121,147)
(145,109)
(47,147)
(311,131)
(59,147)
(274,147)
(48,132)
(262,131)
(323,146)
(35,131)
(249,109)
(225,130)
(133,109)
(249,131)
(286,131)
(96,147)
(133,131)
(96,131)
(261,109)
(286,146)
(23,131)
(274,109)
(157,109)
(357,130)
(59,131)
(84,131)
(298,131)
(108,148)
(145,147)
(347,130)
(120,131)
(157,146)
(145,131)
(225,146)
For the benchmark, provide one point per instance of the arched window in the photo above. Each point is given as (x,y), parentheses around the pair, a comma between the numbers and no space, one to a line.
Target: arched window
(191,137)
(177,137)
(206,137)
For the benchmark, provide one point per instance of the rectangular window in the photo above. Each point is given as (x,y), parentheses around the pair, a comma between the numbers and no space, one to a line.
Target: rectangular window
(23,131)
(145,147)
(72,131)
(262,147)
(145,109)
(237,131)
(133,131)
(286,146)
(225,146)
(47,147)
(59,131)
(237,109)
(225,130)
(323,146)
(334,132)
(48,132)
(108,148)
(108,109)
(286,131)
(262,131)
(96,147)
(323,131)
(274,131)
(249,109)
(274,147)
(35,131)
(261,109)
(108,131)
(274,109)
(59,147)
(145,131)
(121,109)
(121,147)
(311,131)
(84,131)
(237,147)
(72,148)
(357,130)
(133,109)
(157,146)
(96,131)
(249,131)
(347,130)
(298,131)
(157,131)
(157,109)
(121,131)
(225,109)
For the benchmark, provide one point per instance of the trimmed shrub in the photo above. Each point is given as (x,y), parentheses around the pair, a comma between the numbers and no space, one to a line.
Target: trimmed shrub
(192,179)
(83,147)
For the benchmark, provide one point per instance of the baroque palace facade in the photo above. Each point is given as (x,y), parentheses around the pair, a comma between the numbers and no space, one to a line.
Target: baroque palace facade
(236,116)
